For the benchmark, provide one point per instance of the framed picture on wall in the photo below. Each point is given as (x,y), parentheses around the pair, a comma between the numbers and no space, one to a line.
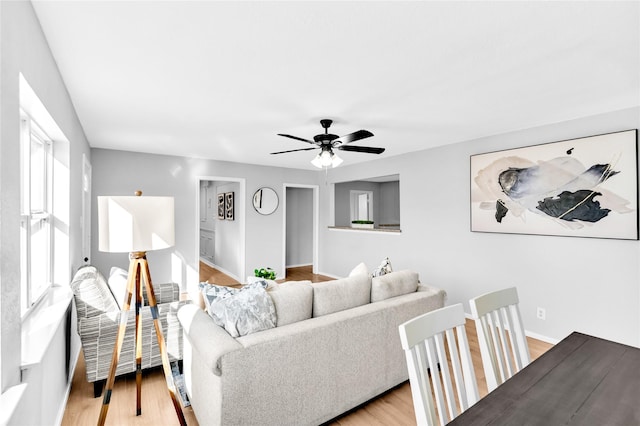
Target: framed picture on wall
(585,187)
(221,213)
(228,205)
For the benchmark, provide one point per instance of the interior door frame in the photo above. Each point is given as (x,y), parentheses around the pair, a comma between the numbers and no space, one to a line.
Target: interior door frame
(240,214)
(316,212)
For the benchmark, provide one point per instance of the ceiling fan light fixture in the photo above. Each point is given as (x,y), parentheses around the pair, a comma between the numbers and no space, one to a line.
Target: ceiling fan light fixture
(326,159)
(336,161)
(317,161)
(327,141)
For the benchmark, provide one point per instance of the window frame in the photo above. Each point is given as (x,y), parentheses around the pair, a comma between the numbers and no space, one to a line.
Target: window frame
(32,220)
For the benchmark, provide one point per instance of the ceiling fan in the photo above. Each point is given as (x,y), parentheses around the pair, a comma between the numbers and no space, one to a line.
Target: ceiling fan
(326,142)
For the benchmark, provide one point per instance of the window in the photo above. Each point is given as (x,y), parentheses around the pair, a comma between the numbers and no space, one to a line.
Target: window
(375,199)
(36,202)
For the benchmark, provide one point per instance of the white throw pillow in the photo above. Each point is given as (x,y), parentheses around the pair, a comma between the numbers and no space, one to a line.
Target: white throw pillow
(360,269)
(118,284)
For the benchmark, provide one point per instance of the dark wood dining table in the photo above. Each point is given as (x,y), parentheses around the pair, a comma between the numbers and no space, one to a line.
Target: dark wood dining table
(583,380)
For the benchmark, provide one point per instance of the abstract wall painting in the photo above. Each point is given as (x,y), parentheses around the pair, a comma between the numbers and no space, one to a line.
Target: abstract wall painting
(586,187)
(221,213)
(228,205)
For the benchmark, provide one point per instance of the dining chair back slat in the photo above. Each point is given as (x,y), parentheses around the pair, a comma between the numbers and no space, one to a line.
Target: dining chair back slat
(441,374)
(503,344)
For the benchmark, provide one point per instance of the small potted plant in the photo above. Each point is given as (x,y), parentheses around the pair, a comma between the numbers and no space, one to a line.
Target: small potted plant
(366,224)
(266,273)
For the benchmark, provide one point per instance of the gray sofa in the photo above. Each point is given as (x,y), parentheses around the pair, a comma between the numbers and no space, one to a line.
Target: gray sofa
(98,318)
(304,371)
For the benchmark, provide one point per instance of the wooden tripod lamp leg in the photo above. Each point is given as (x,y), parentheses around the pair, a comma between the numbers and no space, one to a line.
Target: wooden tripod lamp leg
(161,343)
(131,281)
(139,270)
(138,340)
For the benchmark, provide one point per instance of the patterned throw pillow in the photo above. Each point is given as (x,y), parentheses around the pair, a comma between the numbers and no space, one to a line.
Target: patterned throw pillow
(240,311)
(212,292)
(383,269)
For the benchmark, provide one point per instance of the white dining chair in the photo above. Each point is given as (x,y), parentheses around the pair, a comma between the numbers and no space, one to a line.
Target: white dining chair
(434,369)
(503,344)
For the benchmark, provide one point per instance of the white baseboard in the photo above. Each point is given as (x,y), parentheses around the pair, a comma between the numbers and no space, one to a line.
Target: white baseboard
(299,266)
(224,271)
(207,262)
(545,339)
(73,362)
(531,334)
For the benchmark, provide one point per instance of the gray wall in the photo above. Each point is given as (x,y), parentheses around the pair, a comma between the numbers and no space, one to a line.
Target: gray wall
(590,285)
(389,206)
(25,50)
(228,235)
(121,173)
(299,249)
(435,238)
(385,208)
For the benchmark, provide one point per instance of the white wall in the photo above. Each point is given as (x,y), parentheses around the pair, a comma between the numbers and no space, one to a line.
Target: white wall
(590,285)
(121,173)
(24,50)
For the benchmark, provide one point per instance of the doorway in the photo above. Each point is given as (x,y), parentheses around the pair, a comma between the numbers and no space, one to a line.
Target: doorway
(221,227)
(300,227)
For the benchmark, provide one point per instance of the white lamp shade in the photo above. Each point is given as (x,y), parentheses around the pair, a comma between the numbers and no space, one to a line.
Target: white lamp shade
(135,224)
(316,161)
(325,159)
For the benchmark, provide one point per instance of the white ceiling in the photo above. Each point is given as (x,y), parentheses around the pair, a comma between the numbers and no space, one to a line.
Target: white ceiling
(219,80)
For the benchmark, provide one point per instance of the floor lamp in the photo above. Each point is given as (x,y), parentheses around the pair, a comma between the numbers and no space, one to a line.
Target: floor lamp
(136,225)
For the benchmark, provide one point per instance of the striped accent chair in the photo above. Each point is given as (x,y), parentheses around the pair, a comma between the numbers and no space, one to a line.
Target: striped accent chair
(98,317)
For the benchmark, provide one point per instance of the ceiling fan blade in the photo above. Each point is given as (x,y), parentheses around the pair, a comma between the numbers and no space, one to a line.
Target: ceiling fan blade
(293,150)
(355,136)
(367,149)
(296,138)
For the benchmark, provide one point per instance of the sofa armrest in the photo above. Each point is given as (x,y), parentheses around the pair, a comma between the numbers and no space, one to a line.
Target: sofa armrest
(209,340)
(164,292)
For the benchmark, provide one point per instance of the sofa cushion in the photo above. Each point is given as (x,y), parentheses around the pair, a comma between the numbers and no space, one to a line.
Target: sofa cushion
(393,284)
(338,295)
(293,301)
(240,311)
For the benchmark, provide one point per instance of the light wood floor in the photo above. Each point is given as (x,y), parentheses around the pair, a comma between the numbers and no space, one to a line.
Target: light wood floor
(213,276)
(392,408)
